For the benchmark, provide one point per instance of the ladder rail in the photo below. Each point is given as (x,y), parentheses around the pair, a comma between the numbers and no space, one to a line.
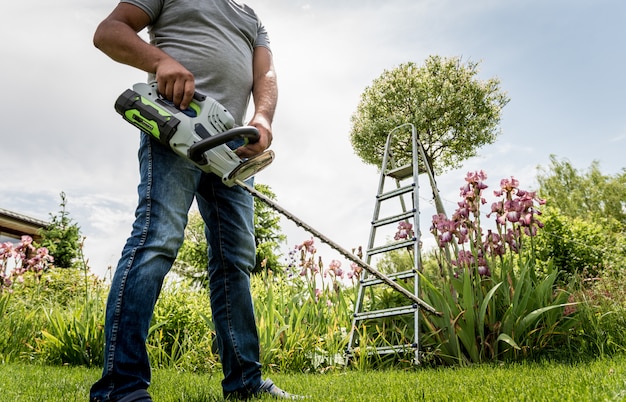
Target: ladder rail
(370,244)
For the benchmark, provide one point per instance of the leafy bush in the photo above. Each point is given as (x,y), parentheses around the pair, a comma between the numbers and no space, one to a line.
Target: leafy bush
(181,335)
(19,325)
(74,336)
(601,331)
(72,304)
(50,314)
(586,194)
(58,286)
(586,221)
(573,245)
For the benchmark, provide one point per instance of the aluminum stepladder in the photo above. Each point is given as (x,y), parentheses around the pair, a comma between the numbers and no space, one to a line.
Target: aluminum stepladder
(405,191)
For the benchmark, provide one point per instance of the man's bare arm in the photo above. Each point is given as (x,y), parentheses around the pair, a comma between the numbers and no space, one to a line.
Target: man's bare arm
(265,97)
(117,36)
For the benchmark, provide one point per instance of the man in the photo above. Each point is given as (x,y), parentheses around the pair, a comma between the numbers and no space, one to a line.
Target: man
(221,49)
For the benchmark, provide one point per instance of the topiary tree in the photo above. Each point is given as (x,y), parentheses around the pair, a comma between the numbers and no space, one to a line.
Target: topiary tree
(453,112)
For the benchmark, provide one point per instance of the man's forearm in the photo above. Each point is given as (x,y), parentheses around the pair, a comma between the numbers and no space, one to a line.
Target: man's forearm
(121,43)
(265,87)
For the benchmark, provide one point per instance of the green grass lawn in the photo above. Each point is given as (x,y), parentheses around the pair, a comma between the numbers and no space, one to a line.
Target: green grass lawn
(601,380)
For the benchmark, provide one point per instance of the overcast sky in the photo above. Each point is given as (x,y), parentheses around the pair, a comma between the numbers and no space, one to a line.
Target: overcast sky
(560,61)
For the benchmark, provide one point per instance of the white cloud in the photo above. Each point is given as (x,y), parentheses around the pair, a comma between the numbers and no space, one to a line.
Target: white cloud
(618,138)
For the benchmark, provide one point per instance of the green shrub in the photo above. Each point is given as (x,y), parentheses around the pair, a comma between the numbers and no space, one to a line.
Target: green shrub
(573,245)
(601,330)
(181,335)
(73,336)
(59,286)
(305,313)
(19,326)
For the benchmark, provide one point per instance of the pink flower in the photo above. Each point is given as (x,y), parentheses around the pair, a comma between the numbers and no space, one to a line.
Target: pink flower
(335,268)
(509,185)
(6,251)
(445,237)
(308,246)
(483,270)
(513,216)
(405,231)
(355,272)
(476,177)
(462,234)
(463,211)
(26,240)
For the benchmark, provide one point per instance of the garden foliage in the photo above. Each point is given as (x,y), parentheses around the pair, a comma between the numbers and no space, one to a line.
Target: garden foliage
(497,282)
(586,221)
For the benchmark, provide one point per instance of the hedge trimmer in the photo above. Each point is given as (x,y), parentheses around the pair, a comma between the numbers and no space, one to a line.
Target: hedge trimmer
(200,134)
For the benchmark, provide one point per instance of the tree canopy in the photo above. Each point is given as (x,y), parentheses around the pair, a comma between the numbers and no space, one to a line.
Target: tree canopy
(453,111)
(589,194)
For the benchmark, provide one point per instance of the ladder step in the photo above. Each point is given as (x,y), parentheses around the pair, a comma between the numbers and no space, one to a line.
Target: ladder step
(389,312)
(391,247)
(394,276)
(401,172)
(386,350)
(394,218)
(396,192)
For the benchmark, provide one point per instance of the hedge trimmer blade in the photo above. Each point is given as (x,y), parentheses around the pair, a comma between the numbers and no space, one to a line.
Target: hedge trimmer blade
(384,278)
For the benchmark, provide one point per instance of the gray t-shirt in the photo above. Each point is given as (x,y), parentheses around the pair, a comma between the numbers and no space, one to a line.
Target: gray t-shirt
(214,39)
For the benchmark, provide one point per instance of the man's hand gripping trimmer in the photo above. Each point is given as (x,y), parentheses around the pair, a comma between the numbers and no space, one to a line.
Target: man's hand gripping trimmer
(198,134)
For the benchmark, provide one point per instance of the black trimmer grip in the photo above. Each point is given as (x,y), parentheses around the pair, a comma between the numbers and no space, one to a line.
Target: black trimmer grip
(196,151)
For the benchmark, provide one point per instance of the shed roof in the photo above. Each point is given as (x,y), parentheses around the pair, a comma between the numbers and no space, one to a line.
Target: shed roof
(19,224)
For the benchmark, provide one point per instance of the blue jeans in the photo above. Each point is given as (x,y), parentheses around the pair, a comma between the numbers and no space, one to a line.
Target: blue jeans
(167,189)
